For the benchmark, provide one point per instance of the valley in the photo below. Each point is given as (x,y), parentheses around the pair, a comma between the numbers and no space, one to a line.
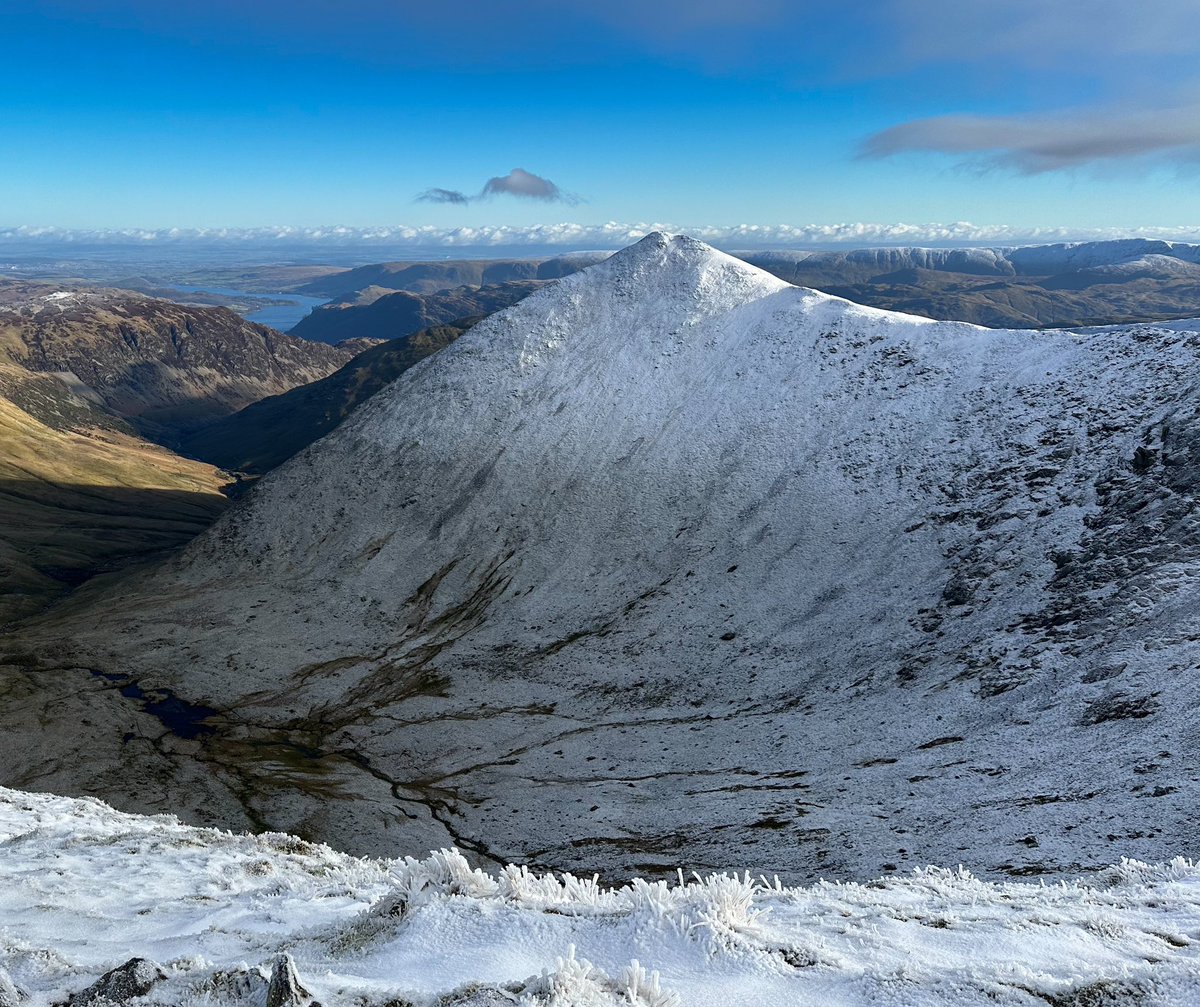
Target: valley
(637,504)
(903,592)
(96,388)
(74,504)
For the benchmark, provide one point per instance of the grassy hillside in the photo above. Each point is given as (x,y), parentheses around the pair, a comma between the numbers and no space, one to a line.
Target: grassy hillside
(73,504)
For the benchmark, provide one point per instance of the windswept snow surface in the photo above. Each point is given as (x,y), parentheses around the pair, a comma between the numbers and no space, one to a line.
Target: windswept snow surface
(84,888)
(673,563)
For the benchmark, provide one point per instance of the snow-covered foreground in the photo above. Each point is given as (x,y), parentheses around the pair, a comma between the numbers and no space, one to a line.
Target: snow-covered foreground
(84,888)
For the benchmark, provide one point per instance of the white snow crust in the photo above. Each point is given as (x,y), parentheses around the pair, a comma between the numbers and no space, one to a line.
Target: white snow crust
(83,888)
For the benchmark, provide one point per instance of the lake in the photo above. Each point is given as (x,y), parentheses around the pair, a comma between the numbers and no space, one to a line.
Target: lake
(278,316)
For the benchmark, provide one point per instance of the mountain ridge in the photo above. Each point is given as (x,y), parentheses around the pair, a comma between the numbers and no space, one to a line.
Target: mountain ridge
(673,560)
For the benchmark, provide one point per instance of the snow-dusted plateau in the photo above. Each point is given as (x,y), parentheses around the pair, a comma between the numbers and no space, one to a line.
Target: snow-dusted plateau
(670,565)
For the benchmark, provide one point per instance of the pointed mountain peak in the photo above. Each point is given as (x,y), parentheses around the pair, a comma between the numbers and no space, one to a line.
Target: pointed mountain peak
(679,263)
(665,248)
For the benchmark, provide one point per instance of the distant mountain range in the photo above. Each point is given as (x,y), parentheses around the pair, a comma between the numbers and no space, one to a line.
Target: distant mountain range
(674,562)
(1094,283)
(431,277)
(378,313)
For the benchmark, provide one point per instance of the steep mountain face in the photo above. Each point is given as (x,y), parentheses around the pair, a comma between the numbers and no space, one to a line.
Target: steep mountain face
(394,314)
(161,366)
(264,435)
(674,563)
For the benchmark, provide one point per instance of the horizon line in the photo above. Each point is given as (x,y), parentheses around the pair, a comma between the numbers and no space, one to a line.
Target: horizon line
(596,237)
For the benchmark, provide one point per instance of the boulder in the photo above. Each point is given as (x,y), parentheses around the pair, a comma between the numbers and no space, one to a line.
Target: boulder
(285,989)
(133,979)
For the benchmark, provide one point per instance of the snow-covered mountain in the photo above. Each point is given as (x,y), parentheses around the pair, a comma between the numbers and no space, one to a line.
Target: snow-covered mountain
(105,908)
(1001,260)
(675,564)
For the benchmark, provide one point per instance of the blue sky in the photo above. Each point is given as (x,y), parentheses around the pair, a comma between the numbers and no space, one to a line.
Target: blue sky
(125,113)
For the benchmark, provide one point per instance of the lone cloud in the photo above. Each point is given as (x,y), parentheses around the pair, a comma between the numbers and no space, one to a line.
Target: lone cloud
(518,182)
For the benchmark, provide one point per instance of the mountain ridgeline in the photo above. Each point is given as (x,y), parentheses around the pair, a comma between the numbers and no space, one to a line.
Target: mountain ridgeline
(431,277)
(1089,283)
(159,367)
(675,563)
(1065,285)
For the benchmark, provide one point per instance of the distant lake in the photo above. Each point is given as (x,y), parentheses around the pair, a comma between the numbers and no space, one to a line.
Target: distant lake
(278,316)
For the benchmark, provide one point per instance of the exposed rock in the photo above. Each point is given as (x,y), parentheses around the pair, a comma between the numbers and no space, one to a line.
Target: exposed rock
(133,979)
(285,989)
(240,985)
(958,590)
(479,995)
(1143,459)
(1119,707)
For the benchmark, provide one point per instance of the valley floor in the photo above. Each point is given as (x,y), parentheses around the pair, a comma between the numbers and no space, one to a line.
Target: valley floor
(84,888)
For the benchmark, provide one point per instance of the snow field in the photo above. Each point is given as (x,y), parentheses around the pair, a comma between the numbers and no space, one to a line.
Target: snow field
(85,888)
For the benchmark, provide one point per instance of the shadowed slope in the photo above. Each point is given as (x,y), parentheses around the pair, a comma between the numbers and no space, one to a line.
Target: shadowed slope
(72,504)
(267,433)
(396,314)
(160,366)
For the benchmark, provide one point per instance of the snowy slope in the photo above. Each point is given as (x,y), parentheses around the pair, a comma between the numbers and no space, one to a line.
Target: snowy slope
(83,889)
(675,564)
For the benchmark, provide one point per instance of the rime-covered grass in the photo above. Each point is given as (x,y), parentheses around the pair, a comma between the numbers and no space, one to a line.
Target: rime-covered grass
(83,888)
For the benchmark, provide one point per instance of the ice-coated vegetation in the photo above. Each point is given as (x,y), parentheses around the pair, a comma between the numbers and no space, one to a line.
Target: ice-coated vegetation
(239,920)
